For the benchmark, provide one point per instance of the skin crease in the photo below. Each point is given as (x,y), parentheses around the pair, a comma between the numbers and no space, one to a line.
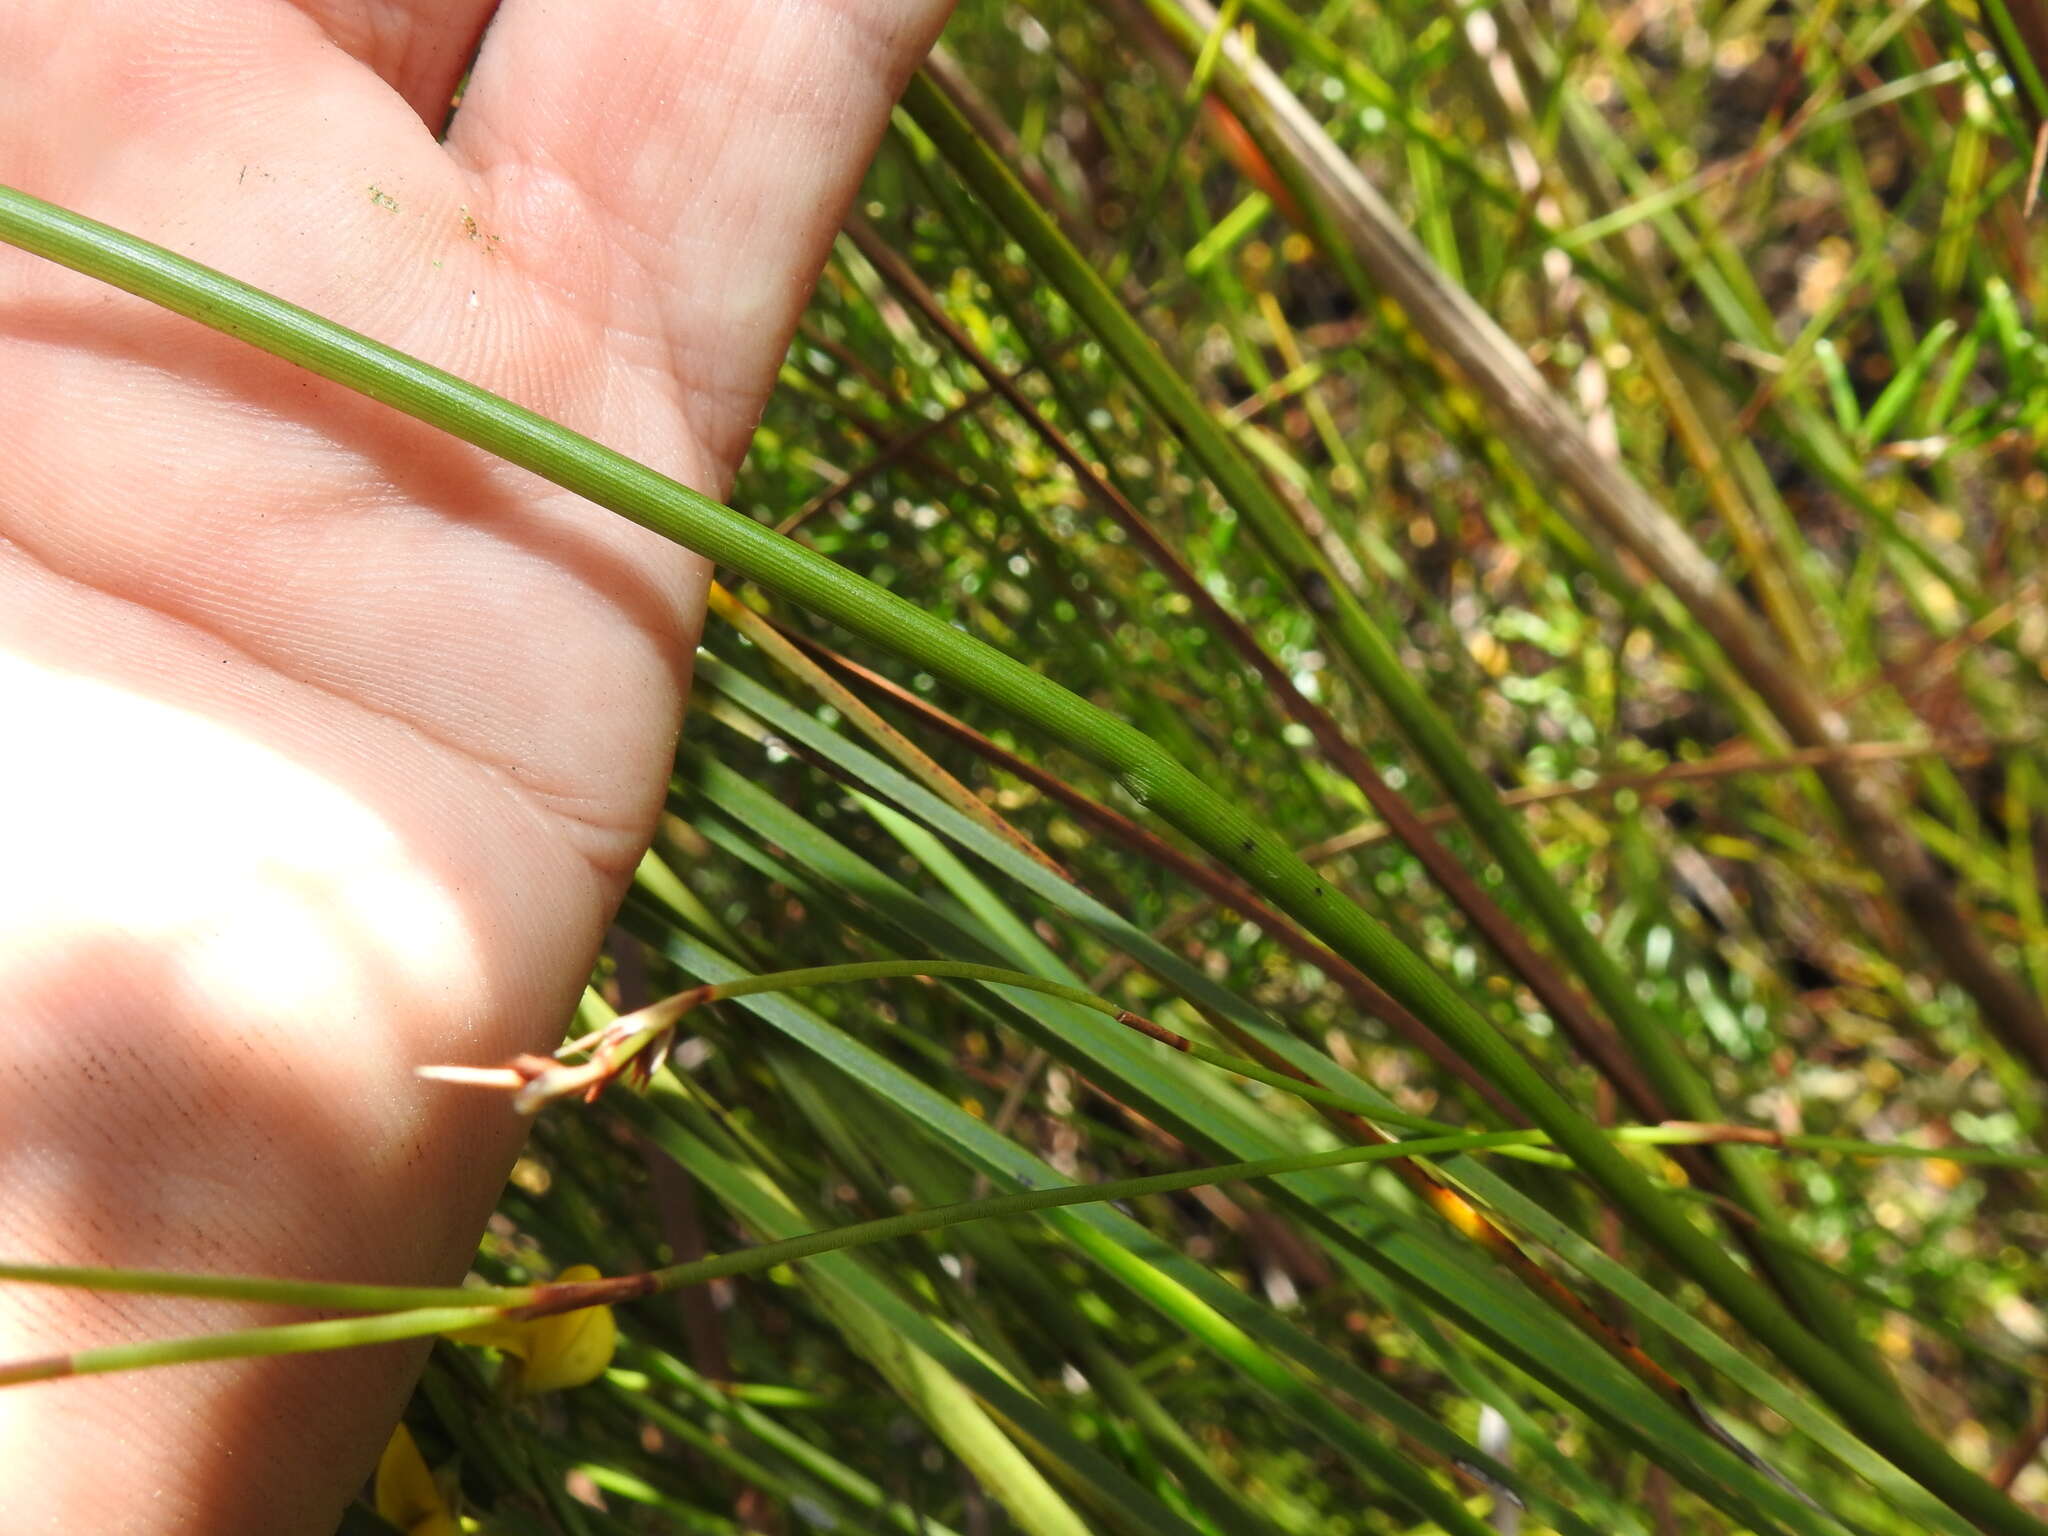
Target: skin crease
(330,744)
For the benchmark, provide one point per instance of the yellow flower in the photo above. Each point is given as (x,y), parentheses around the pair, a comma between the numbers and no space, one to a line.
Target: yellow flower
(407,1494)
(556,1352)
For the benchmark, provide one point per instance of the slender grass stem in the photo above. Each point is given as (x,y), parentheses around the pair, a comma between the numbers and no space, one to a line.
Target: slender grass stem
(242,1344)
(446,1314)
(472,1300)
(329,1296)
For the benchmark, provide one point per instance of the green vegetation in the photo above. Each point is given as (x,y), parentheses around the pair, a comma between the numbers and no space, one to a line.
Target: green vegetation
(1487,569)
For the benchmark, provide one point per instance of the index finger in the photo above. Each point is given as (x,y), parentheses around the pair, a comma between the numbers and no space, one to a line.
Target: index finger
(712,146)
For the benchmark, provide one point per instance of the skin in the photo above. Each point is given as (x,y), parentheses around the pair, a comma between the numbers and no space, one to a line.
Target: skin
(330,744)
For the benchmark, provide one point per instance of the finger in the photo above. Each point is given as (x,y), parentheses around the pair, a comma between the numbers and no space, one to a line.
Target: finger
(418,48)
(712,147)
(138,62)
(210,122)
(252,142)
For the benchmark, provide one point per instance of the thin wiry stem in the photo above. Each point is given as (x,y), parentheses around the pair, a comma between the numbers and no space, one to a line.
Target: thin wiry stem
(459,1310)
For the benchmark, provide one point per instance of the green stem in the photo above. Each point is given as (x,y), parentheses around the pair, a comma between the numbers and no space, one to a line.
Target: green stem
(456,1311)
(877,970)
(1184,798)
(350,1297)
(243,1343)
(325,1295)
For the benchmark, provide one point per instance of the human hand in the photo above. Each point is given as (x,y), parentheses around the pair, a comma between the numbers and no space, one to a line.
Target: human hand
(331,742)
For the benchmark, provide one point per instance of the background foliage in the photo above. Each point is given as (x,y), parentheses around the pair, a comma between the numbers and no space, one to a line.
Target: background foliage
(1778,258)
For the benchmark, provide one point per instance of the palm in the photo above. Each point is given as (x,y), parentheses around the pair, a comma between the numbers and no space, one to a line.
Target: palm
(334,739)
